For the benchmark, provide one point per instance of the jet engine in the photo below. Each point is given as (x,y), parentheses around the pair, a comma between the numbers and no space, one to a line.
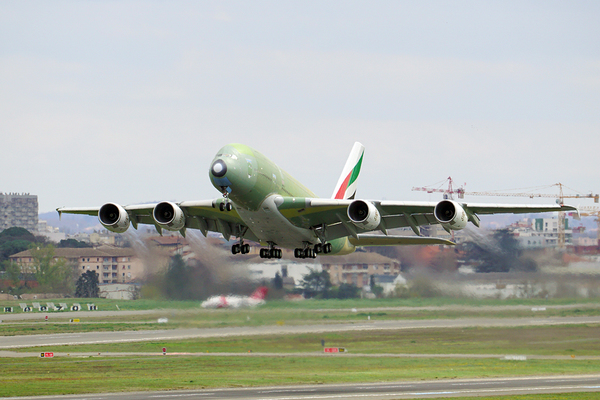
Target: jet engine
(114,217)
(451,215)
(169,216)
(364,214)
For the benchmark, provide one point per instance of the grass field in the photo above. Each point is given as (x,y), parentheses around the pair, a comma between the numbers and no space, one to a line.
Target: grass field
(291,358)
(569,340)
(109,304)
(31,376)
(190,315)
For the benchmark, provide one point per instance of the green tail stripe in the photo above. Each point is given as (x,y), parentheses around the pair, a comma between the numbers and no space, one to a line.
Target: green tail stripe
(356,171)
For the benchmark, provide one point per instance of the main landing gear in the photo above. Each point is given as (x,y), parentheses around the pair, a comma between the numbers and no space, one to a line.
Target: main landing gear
(271,252)
(240,248)
(308,252)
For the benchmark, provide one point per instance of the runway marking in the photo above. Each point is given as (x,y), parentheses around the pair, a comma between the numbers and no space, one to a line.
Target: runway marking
(385,387)
(288,391)
(475,383)
(182,395)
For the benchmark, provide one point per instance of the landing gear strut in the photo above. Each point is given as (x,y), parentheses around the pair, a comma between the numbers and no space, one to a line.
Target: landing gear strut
(226,205)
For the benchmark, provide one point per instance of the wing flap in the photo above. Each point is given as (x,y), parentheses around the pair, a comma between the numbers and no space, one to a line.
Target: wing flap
(380,240)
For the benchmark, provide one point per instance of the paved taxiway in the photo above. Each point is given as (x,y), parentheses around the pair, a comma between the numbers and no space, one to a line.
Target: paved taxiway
(11,342)
(369,391)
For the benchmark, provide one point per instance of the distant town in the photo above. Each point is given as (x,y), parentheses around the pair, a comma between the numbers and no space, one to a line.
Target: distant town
(528,257)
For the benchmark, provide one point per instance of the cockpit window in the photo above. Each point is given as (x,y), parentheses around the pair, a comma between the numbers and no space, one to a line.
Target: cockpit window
(233,156)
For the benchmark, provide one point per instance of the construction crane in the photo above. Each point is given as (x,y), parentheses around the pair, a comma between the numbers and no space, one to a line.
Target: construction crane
(447,193)
(526,192)
(559,199)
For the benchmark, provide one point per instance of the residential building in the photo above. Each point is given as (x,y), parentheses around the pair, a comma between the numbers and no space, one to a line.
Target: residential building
(18,210)
(358,267)
(540,232)
(112,264)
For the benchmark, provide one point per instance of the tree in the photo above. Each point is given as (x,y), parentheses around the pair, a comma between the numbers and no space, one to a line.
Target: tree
(315,283)
(348,291)
(501,253)
(14,240)
(73,243)
(53,275)
(11,277)
(277,281)
(87,285)
(178,279)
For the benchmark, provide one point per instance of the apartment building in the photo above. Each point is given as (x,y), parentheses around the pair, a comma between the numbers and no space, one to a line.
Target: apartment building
(18,210)
(112,264)
(358,267)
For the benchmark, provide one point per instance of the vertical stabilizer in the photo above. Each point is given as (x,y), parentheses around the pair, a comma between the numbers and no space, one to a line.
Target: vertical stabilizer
(346,186)
(260,293)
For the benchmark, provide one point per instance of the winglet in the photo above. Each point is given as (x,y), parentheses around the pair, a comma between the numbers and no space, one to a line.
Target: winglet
(346,186)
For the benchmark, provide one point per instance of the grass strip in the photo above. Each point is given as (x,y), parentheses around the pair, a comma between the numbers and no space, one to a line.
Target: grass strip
(58,376)
(564,340)
(257,317)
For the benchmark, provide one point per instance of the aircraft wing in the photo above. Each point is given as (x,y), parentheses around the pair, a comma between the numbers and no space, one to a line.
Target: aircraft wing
(331,215)
(203,215)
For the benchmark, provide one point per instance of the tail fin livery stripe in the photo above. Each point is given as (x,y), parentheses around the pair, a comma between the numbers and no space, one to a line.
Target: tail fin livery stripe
(348,182)
(346,186)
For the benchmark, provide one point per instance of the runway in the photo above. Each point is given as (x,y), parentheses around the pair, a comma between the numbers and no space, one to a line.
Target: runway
(12,342)
(369,391)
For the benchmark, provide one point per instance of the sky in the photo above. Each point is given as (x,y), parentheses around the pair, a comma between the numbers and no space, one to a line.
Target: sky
(129,101)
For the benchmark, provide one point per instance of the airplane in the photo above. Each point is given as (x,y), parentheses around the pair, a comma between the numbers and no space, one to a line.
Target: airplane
(262,203)
(255,299)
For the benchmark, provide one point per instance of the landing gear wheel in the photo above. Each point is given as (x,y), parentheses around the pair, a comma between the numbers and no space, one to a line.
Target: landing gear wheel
(236,248)
(327,248)
(245,248)
(222,206)
(229,206)
(318,248)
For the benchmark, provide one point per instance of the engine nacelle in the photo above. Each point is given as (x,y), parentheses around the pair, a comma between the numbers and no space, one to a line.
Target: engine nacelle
(451,215)
(364,214)
(169,216)
(113,217)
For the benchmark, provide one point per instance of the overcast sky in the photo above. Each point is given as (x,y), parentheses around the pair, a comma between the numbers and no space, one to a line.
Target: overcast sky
(128,101)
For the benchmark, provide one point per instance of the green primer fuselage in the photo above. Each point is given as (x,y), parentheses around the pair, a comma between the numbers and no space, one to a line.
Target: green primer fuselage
(251,181)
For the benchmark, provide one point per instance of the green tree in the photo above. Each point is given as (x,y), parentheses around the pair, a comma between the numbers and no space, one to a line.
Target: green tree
(277,281)
(87,285)
(73,243)
(500,254)
(315,283)
(348,291)
(52,274)
(178,280)
(14,240)
(11,281)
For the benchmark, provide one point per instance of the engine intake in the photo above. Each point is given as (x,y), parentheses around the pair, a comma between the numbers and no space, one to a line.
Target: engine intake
(451,215)
(169,216)
(364,214)
(114,217)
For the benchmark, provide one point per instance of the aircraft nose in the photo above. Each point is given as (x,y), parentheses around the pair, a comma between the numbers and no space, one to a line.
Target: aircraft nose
(219,168)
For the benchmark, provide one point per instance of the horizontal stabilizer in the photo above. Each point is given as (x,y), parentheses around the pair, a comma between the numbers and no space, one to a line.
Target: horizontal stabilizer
(380,240)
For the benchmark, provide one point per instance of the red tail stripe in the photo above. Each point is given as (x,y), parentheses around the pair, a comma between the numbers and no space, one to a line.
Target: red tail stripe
(340,194)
